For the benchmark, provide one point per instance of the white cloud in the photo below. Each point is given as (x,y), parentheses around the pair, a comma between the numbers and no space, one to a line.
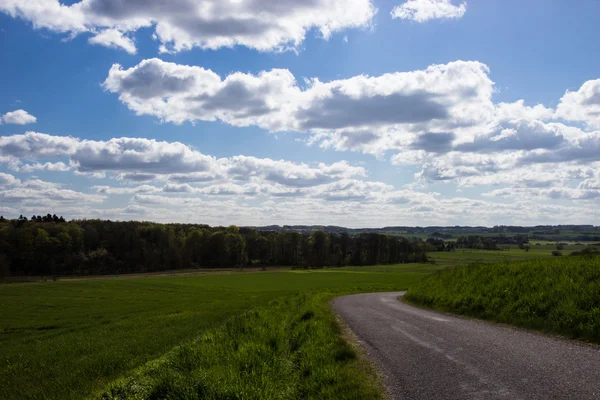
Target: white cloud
(37,196)
(136,177)
(582,105)
(265,25)
(554,193)
(33,145)
(18,117)
(125,190)
(349,113)
(8,180)
(441,119)
(42,193)
(114,38)
(47,166)
(142,160)
(425,10)
(518,110)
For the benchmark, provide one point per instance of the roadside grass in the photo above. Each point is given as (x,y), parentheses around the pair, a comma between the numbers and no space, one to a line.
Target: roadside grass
(559,295)
(70,339)
(291,349)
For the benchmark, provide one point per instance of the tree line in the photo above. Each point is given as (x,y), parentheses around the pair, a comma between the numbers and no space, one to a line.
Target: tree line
(478,242)
(49,245)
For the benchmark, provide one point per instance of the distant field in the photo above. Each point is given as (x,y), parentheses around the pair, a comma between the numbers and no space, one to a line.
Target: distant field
(559,295)
(68,339)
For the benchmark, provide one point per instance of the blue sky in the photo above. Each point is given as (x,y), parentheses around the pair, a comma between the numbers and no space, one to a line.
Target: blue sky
(316,112)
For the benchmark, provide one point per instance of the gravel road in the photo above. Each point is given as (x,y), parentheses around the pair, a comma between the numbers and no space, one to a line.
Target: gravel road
(429,355)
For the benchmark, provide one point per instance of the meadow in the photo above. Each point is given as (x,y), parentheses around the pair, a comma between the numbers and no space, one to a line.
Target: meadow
(69,339)
(75,338)
(559,295)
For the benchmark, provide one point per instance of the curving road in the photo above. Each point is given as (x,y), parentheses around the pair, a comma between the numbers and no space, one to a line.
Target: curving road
(428,355)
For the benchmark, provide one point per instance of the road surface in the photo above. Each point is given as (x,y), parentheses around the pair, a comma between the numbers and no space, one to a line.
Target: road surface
(428,355)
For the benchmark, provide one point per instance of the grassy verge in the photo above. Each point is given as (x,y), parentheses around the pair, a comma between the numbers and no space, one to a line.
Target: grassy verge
(291,349)
(560,295)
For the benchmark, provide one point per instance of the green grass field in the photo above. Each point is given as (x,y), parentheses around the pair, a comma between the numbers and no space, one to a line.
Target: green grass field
(71,339)
(559,294)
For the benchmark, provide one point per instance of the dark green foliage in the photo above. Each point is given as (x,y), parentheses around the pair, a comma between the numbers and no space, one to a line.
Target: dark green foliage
(587,251)
(50,246)
(559,295)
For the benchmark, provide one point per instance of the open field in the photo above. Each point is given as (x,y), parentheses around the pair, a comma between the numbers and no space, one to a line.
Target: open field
(69,339)
(559,295)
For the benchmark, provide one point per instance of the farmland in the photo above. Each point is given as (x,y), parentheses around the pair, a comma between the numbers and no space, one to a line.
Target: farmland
(73,338)
(69,339)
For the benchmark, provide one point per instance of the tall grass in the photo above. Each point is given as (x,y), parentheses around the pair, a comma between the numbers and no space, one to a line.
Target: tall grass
(291,349)
(555,295)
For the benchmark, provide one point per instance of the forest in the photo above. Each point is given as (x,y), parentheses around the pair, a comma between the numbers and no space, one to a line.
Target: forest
(50,246)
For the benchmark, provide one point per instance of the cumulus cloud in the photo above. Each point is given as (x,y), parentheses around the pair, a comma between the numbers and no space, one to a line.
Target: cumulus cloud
(520,134)
(19,193)
(47,166)
(518,110)
(420,209)
(553,193)
(441,119)
(440,122)
(138,155)
(360,109)
(434,142)
(18,117)
(136,177)
(114,38)
(8,180)
(144,160)
(52,196)
(425,10)
(582,105)
(104,189)
(265,25)
(582,150)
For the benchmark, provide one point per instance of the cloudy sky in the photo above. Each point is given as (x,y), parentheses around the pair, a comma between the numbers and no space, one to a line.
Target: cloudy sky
(361,113)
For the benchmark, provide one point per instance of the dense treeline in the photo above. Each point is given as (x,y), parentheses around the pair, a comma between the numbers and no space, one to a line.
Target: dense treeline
(51,246)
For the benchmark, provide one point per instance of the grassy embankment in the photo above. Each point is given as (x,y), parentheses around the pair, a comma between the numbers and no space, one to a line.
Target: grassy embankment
(291,349)
(71,339)
(559,295)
